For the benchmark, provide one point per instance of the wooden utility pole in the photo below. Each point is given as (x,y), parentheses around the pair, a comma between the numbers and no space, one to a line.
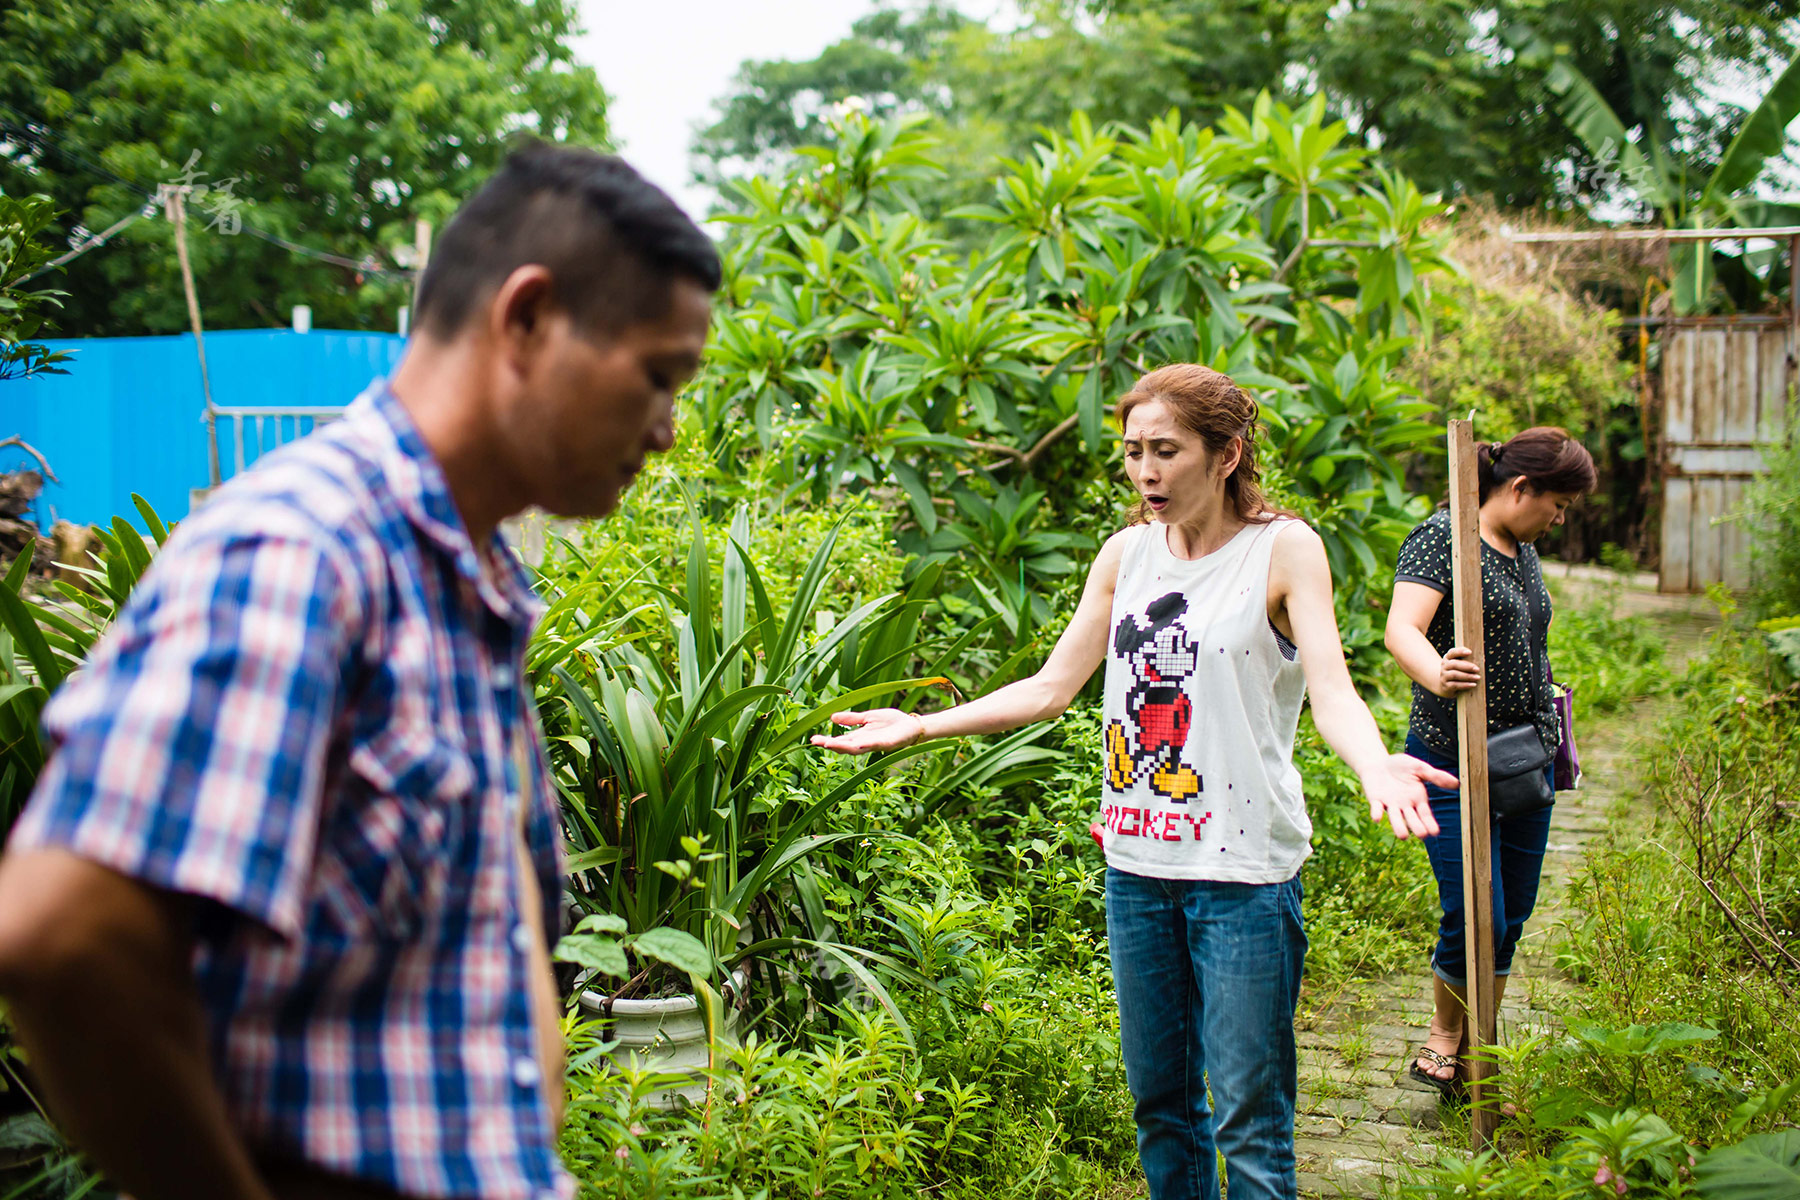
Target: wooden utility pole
(1471,736)
(172,204)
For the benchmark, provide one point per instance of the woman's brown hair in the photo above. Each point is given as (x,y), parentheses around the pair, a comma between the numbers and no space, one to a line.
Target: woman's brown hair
(1549,459)
(1210,406)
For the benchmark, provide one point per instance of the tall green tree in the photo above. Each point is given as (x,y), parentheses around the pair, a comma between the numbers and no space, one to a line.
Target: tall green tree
(314,134)
(1662,179)
(1449,91)
(889,62)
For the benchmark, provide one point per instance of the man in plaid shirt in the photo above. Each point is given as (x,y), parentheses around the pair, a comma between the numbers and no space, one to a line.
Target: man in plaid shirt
(274,924)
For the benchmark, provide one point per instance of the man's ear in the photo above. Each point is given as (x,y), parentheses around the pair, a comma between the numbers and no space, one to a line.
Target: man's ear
(518,314)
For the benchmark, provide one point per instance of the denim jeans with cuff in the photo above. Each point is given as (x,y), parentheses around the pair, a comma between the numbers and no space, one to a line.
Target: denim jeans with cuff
(1517,848)
(1208,974)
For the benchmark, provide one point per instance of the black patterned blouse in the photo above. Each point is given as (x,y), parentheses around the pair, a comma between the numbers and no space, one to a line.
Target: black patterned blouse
(1515,618)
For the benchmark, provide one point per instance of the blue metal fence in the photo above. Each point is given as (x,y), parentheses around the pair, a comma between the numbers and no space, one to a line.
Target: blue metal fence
(128,415)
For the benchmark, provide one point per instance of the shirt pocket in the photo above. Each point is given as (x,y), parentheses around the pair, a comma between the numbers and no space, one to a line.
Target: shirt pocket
(402,843)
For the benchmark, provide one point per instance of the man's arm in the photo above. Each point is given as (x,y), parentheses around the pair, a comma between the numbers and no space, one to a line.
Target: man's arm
(190,755)
(96,969)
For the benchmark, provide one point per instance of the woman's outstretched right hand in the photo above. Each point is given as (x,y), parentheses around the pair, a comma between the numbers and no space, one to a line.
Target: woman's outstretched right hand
(876,729)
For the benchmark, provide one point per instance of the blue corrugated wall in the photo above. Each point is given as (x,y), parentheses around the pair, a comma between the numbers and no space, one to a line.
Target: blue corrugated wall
(127,416)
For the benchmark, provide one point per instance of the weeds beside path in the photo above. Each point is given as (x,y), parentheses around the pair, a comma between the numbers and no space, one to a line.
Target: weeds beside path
(1360,1116)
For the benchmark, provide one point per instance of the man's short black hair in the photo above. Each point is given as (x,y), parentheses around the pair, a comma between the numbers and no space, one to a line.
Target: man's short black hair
(612,240)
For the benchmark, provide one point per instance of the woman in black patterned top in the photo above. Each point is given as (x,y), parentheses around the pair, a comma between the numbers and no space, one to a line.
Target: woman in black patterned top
(1526,485)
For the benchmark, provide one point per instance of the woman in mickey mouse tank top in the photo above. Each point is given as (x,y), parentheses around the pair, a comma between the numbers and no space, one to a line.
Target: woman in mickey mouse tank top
(1213,616)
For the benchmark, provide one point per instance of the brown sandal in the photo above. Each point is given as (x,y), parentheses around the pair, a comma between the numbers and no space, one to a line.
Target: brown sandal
(1452,1089)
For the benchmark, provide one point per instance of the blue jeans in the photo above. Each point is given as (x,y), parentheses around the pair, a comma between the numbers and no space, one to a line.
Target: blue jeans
(1517,846)
(1208,975)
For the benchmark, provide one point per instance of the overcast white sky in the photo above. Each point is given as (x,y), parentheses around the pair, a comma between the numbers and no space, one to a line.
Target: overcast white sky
(665,63)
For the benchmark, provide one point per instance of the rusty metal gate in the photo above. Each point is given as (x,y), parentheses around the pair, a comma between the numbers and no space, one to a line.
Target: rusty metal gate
(1727,388)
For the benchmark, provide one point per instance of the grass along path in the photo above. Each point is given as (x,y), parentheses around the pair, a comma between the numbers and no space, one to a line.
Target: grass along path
(1360,1117)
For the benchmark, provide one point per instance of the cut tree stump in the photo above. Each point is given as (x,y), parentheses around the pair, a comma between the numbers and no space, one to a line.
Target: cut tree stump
(18,532)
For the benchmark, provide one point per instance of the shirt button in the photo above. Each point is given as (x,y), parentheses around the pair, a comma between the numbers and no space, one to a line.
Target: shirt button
(525,1072)
(503,675)
(521,938)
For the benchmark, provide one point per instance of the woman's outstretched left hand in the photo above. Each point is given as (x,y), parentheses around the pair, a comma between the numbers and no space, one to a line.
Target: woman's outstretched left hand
(876,729)
(1397,787)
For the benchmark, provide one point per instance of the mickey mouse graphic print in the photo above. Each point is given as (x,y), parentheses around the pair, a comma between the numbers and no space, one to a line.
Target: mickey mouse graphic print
(1161,656)
(1202,700)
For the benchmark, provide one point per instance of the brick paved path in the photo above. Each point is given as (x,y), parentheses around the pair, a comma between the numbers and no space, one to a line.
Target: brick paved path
(1360,1115)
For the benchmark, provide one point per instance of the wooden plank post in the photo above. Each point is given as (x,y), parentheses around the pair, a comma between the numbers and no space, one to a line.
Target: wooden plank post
(1471,736)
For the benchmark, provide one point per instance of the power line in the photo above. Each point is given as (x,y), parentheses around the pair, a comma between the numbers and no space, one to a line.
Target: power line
(99,239)
(368,266)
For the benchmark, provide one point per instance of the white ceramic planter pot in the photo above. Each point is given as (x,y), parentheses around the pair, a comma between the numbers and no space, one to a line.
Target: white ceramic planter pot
(665,1036)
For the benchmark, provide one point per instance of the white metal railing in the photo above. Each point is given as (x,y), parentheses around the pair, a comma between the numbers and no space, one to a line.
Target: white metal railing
(256,431)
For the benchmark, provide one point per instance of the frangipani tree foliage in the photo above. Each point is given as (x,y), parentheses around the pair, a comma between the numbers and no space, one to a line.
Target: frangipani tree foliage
(864,344)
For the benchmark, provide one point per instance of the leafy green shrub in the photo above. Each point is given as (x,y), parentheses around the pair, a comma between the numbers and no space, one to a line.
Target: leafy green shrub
(1682,1036)
(1695,922)
(857,351)
(1029,844)
(1371,900)
(1724,777)
(43,1166)
(1005,1082)
(1784,642)
(648,541)
(1608,658)
(1515,342)
(860,1115)
(1604,1157)
(24,251)
(1772,510)
(43,638)
(672,773)
(1609,1153)
(1521,355)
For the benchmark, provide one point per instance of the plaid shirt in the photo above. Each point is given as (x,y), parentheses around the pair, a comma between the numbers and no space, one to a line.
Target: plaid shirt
(306,715)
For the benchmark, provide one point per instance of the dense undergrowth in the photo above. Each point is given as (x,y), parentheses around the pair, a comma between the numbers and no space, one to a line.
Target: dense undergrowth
(996,1070)
(1678,1072)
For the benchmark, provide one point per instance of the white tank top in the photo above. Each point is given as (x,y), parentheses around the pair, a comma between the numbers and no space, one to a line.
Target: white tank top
(1202,702)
